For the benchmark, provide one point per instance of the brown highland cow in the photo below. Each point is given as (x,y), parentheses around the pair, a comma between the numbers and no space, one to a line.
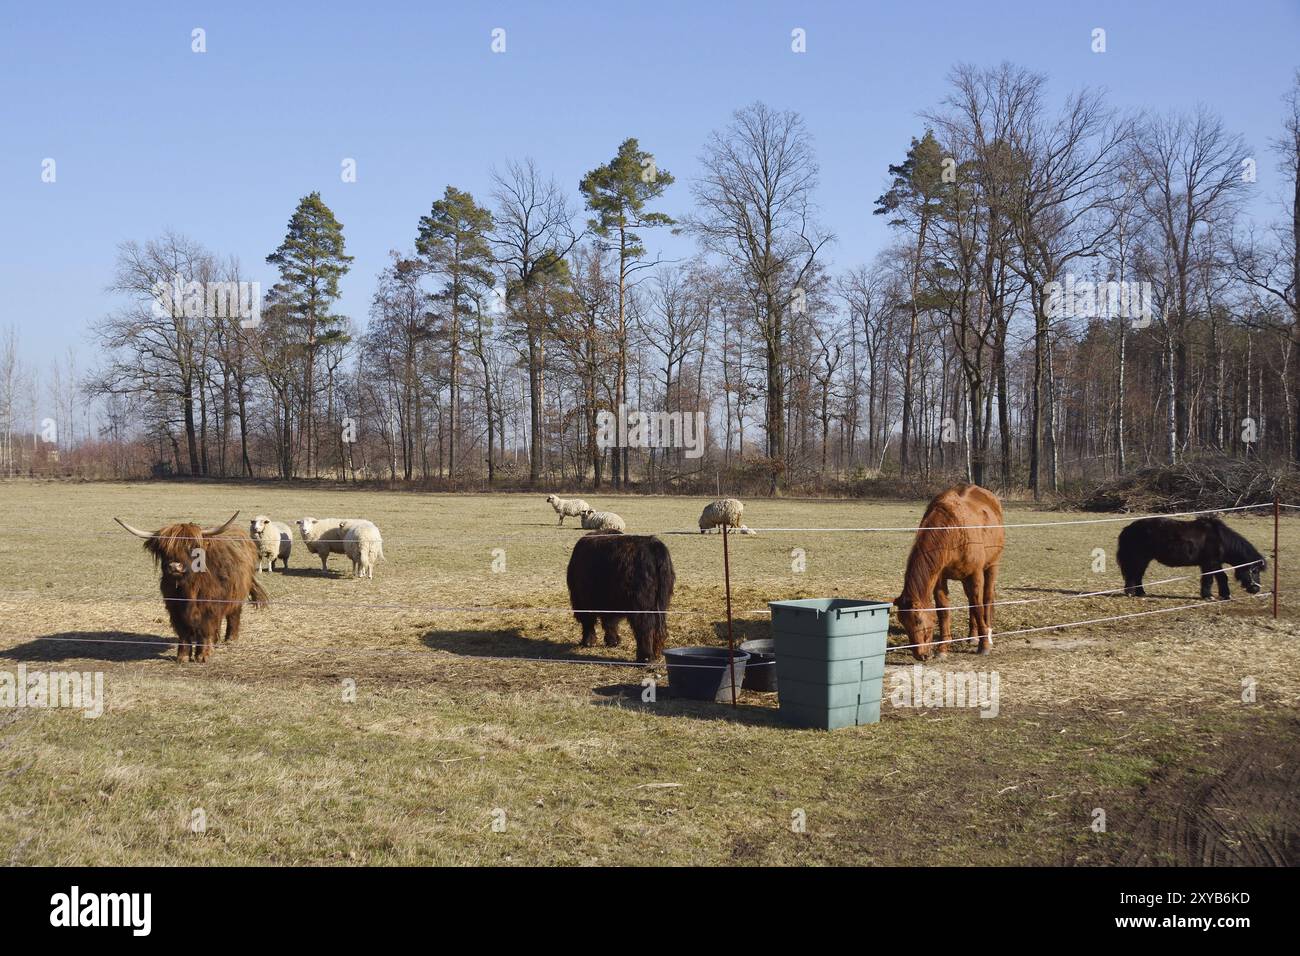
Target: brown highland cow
(207,574)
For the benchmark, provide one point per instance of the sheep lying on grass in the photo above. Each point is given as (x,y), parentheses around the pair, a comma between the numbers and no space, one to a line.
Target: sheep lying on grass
(274,541)
(364,545)
(567,507)
(724,511)
(602,521)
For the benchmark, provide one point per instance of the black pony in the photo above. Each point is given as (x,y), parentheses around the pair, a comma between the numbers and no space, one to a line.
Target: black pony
(1206,542)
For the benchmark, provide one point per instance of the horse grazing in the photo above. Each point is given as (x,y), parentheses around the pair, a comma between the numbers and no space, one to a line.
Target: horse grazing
(207,573)
(957,540)
(1205,542)
(612,576)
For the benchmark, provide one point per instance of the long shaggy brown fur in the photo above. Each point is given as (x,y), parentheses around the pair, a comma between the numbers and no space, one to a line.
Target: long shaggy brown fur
(205,580)
(622,574)
(963,547)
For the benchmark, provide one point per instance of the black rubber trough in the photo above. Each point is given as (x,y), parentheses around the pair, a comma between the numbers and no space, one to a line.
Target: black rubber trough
(760,669)
(703,673)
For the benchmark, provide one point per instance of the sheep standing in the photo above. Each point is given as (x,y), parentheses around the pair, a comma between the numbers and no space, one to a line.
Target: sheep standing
(323,537)
(724,511)
(602,521)
(567,507)
(274,541)
(364,545)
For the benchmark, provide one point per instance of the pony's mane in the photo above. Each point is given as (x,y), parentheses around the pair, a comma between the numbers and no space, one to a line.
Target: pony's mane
(1236,549)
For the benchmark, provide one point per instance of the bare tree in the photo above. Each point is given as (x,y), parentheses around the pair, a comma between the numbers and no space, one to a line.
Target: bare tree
(1192,173)
(11,374)
(532,231)
(756,211)
(1069,164)
(673,327)
(154,352)
(1269,263)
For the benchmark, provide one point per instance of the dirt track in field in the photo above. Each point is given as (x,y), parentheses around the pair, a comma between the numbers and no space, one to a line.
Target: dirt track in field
(1240,811)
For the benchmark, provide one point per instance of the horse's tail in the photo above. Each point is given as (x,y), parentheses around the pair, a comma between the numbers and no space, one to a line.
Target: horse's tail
(1127,544)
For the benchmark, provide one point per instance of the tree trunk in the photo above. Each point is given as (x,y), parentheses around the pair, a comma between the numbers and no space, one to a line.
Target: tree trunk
(191,438)
(1036,391)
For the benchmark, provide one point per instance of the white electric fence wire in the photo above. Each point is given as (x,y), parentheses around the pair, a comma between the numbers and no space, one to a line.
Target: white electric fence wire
(686,531)
(1095,620)
(498,609)
(470,609)
(337,649)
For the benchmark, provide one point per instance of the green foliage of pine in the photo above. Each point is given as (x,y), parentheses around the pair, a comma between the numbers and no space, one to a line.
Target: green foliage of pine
(619,192)
(311,260)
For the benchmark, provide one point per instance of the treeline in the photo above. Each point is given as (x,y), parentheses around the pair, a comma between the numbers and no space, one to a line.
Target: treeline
(1070,293)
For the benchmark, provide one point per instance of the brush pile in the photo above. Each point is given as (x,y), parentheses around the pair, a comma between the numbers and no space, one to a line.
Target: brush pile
(1194,485)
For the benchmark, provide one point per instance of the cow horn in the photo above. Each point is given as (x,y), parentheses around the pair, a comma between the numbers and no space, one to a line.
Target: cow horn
(135,531)
(213,532)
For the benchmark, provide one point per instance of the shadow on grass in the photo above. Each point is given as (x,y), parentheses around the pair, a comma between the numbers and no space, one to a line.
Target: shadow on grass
(1068,592)
(628,697)
(511,642)
(95,645)
(309,572)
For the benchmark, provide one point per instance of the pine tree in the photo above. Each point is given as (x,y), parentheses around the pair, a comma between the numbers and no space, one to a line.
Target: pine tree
(311,262)
(452,239)
(618,194)
(912,202)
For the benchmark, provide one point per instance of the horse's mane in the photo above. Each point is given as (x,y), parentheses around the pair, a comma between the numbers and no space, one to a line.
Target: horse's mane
(928,550)
(1236,549)
(923,562)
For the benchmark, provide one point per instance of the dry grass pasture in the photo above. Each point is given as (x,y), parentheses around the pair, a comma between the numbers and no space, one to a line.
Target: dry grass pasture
(464,719)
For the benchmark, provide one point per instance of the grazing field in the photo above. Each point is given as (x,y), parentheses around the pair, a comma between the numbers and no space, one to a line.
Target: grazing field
(473,738)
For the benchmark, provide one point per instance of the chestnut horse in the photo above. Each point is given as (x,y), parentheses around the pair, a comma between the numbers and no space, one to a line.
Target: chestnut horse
(956,540)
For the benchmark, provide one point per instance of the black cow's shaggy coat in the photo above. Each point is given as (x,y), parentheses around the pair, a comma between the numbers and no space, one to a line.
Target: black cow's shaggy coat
(1205,542)
(622,574)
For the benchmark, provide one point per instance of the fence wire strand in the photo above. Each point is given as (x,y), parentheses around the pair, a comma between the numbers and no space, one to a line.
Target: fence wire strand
(16,531)
(487,609)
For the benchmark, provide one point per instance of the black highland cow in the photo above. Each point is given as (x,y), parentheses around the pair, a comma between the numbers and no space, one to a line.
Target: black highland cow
(1205,542)
(622,574)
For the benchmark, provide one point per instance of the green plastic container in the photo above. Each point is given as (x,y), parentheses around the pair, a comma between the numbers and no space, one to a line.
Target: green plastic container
(828,696)
(823,718)
(830,660)
(825,619)
(809,670)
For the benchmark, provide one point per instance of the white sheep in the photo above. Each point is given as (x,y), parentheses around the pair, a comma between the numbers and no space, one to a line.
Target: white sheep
(274,541)
(724,511)
(364,545)
(602,521)
(323,537)
(570,507)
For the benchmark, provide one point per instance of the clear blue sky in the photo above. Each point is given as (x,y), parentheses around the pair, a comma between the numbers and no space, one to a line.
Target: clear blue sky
(220,146)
